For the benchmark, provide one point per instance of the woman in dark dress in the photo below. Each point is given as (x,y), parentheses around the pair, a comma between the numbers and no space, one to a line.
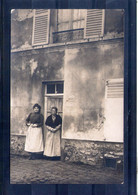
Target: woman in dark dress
(53,135)
(34,137)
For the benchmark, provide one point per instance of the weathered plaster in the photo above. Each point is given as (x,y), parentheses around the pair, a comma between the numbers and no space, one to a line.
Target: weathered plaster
(86,70)
(90,63)
(28,70)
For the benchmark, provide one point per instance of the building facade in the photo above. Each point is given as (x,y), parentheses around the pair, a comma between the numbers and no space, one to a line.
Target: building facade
(74,60)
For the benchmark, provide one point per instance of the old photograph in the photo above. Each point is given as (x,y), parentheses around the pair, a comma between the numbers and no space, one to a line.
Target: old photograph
(67,96)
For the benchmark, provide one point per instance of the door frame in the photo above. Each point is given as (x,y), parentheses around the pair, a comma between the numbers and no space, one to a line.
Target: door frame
(46,96)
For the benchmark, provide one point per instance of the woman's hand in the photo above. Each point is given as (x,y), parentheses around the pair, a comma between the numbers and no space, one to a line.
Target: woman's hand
(34,125)
(52,130)
(28,124)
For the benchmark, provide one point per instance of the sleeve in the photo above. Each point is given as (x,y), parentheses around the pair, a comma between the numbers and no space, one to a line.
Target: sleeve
(28,119)
(48,122)
(41,121)
(59,120)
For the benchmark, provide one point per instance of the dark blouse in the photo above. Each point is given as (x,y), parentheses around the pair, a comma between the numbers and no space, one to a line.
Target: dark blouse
(35,118)
(55,123)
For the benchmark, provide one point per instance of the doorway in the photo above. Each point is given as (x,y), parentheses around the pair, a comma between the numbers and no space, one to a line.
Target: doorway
(53,97)
(54,101)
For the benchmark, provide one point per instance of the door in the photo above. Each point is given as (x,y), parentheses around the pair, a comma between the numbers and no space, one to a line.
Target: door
(54,102)
(53,97)
(50,102)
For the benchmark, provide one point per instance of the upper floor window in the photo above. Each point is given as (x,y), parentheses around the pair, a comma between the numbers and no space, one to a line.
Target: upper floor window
(91,20)
(40,27)
(68,19)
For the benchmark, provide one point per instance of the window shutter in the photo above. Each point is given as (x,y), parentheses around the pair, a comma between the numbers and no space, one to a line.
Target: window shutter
(114,110)
(40,27)
(94,25)
(114,88)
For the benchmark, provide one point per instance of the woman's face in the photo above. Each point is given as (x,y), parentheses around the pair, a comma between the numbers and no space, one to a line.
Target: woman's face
(53,112)
(36,109)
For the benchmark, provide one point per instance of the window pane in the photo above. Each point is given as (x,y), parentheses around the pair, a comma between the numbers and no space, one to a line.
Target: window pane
(63,15)
(50,88)
(78,24)
(63,26)
(79,14)
(60,88)
(68,18)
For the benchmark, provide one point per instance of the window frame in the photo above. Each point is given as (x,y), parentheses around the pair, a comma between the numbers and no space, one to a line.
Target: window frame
(55,83)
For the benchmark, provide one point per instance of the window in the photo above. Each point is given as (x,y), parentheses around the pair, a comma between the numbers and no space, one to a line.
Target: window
(55,88)
(92,20)
(40,27)
(70,19)
(94,25)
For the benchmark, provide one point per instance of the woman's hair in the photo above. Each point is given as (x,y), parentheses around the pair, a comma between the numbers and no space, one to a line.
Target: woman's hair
(55,108)
(37,105)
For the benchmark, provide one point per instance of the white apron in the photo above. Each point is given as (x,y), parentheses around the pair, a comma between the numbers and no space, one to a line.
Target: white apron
(34,140)
(52,144)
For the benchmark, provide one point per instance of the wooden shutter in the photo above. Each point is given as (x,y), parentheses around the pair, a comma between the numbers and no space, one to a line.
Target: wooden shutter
(114,88)
(40,27)
(94,25)
(114,110)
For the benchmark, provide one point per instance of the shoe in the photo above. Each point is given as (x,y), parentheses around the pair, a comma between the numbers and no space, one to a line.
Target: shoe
(34,158)
(45,158)
(56,158)
(30,158)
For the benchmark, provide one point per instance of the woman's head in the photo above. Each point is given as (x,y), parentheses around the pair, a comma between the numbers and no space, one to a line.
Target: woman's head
(54,110)
(36,108)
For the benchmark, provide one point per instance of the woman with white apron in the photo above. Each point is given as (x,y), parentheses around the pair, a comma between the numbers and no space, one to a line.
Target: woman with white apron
(34,137)
(53,135)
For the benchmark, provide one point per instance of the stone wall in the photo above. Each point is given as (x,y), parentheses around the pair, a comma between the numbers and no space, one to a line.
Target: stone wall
(17,144)
(87,152)
(91,152)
